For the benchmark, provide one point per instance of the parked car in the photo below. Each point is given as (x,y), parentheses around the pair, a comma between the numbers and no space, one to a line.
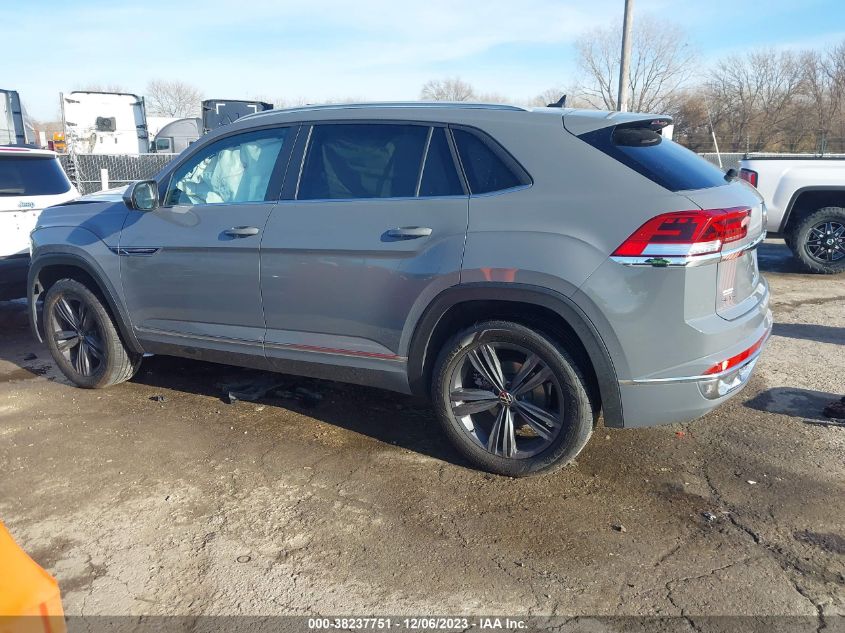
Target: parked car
(30,180)
(526,269)
(805,199)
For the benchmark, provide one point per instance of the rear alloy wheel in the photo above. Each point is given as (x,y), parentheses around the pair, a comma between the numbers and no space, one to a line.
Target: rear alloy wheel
(511,399)
(82,338)
(819,241)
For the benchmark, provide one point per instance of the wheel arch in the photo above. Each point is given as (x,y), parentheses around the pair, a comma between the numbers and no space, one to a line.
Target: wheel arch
(461,306)
(808,199)
(47,269)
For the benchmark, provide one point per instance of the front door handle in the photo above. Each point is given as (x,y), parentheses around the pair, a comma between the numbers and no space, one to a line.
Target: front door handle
(241,231)
(409,232)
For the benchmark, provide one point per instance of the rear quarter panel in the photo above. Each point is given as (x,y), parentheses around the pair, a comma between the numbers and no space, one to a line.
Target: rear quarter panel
(556,232)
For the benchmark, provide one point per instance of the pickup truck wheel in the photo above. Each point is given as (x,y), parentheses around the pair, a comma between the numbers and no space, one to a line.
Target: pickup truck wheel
(818,241)
(82,338)
(511,399)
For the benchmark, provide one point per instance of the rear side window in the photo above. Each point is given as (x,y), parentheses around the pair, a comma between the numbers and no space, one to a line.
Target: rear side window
(660,160)
(488,167)
(439,176)
(32,176)
(362,160)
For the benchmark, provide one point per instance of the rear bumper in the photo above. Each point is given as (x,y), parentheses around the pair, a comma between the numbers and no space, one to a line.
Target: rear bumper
(13,272)
(656,401)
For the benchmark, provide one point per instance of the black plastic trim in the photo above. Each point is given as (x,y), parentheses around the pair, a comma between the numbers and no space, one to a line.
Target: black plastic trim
(519,293)
(797,194)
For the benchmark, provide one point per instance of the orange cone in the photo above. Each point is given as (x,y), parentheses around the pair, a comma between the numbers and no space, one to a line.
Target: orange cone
(30,601)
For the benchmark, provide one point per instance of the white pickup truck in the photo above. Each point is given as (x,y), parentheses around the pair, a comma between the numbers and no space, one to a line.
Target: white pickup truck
(805,200)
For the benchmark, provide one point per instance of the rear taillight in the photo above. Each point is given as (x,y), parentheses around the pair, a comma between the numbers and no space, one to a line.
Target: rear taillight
(749,176)
(734,361)
(687,233)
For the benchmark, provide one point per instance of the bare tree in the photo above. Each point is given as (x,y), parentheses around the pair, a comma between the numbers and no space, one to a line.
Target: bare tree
(450,89)
(661,63)
(756,100)
(824,85)
(172,98)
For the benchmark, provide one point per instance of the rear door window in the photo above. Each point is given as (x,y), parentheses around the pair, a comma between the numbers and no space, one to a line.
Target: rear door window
(362,160)
(659,159)
(488,167)
(440,176)
(32,176)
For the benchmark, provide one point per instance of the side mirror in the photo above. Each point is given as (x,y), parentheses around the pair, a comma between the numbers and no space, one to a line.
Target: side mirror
(142,195)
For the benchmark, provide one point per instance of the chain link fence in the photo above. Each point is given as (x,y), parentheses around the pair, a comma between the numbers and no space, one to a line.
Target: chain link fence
(121,169)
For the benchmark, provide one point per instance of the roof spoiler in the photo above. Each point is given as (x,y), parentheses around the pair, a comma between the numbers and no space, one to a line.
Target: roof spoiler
(580,122)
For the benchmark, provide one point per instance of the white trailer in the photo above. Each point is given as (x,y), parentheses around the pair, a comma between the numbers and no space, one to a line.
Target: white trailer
(105,123)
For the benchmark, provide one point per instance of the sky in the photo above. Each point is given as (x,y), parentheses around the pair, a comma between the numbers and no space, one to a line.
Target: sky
(363,49)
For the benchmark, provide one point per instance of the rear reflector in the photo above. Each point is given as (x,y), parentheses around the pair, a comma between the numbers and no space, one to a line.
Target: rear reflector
(687,233)
(733,361)
(749,176)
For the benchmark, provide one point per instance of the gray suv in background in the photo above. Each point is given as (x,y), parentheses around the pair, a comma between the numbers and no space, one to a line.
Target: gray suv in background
(528,270)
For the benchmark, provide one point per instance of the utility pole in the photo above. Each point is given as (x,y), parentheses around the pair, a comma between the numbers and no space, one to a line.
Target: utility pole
(624,66)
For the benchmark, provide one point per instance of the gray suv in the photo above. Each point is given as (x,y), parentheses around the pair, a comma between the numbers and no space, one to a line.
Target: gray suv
(528,270)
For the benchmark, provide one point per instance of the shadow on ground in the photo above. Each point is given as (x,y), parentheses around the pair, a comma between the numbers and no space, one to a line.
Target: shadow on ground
(810,332)
(798,403)
(385,416)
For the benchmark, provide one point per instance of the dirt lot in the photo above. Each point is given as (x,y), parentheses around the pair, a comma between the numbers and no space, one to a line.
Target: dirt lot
(356,505)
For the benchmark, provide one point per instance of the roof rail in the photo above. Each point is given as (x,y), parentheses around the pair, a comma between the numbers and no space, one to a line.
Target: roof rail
(462,105)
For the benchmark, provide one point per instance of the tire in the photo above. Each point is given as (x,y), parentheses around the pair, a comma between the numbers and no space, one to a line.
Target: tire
(75,321)
(519,445)
(808,241)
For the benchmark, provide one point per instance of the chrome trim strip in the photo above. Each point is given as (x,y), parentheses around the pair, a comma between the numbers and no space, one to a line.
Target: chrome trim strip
(125,251)
(684,379)
(689,261)
(315,349)
(199,337)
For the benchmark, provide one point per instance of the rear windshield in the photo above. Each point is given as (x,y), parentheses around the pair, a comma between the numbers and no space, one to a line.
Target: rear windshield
(31,176)
(658,159)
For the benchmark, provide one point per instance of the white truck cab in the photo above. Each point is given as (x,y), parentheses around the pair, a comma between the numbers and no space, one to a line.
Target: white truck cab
(805,200)
(30,181)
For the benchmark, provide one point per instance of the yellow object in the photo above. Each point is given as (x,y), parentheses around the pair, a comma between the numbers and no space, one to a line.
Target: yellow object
(30,601)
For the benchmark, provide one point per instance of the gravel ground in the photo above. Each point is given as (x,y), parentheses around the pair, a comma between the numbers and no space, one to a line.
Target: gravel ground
(356,505)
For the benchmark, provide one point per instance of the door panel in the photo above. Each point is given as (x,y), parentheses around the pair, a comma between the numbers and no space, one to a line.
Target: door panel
(190,269)
(333,278)
(199,281)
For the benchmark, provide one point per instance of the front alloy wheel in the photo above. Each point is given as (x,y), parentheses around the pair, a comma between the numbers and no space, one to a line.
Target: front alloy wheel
(83,339)
(77,335)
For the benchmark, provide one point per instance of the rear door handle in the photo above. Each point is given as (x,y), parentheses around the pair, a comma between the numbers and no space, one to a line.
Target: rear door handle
(409,232)
(241,231)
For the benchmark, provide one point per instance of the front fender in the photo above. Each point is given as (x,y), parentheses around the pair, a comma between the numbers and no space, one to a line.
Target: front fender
(70,256)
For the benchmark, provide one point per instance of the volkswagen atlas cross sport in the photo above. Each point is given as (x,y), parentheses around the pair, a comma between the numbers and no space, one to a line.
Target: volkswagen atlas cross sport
(528,270)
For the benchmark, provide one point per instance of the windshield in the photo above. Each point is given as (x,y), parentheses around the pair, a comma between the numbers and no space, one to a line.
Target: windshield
(32,176)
